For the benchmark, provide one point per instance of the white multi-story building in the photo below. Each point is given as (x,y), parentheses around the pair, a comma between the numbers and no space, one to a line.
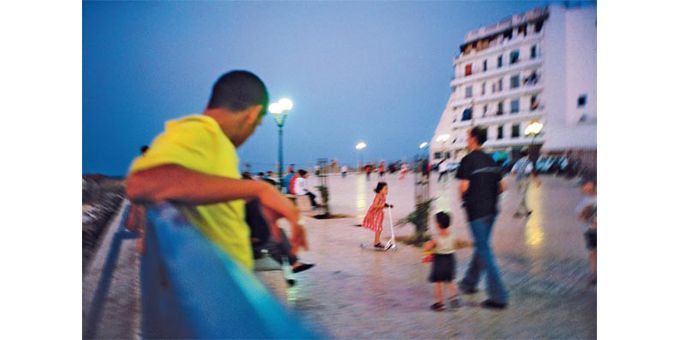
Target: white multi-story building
(539,66)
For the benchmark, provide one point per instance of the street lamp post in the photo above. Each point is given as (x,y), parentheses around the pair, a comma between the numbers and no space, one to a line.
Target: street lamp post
(360,146)
(280,111)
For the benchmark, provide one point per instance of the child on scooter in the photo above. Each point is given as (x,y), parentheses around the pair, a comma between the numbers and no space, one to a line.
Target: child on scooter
(375,215)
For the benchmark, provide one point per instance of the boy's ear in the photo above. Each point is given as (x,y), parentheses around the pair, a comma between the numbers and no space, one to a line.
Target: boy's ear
(254,113)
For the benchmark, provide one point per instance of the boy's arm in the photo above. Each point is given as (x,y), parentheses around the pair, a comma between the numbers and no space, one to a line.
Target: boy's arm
(178,184)
(429,245)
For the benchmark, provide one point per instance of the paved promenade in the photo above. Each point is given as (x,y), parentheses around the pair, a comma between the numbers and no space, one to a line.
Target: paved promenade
(355,293)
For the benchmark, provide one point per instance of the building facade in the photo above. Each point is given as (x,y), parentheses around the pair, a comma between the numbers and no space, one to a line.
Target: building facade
(535,67)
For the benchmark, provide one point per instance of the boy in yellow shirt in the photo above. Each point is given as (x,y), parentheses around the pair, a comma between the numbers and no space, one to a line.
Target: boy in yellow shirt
(194,164)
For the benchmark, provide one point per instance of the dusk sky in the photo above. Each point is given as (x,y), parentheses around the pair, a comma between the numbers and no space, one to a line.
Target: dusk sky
(372,71)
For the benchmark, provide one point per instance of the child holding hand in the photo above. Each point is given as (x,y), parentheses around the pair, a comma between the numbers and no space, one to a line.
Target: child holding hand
(443,263)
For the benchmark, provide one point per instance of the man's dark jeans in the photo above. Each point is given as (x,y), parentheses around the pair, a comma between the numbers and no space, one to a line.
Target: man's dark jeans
(483,260)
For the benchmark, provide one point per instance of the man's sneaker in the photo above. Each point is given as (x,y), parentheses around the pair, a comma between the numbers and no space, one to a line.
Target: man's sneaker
(465,289)
(493,305)
(437,307)
(455,302)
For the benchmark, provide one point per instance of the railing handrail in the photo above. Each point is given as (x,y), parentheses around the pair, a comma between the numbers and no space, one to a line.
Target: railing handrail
(192,289)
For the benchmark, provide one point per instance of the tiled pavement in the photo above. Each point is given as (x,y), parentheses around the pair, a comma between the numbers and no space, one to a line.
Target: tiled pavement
(362,293)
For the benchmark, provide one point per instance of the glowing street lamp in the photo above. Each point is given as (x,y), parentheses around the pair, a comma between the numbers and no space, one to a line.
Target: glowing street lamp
(280,111)
(360,146)
(533,130)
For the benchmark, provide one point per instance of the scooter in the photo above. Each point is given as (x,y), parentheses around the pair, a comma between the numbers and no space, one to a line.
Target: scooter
(392,243)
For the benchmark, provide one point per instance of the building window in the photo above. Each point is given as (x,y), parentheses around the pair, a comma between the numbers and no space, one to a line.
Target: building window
(484,66)
(483,88)
(468,69)
(437,155)
(486,108)
(582,99)
(453,89)
(514,57)
(522,30)
(500,61)
(493,88)
(514,106)
(534,51)
(499,133)
(538,26)
(468,92)
(514,81)
(515,131)
(500,109)
(448,154)
(467,114)
(583,118)
(500,84)
(534,103)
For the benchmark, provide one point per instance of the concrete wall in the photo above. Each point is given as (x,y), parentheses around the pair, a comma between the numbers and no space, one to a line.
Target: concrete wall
(570,53)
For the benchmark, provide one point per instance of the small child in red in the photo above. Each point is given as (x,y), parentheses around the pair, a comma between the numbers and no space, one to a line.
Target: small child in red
(375,215)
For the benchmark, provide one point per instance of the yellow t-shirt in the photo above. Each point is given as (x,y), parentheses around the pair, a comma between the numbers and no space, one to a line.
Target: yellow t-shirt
(197,143)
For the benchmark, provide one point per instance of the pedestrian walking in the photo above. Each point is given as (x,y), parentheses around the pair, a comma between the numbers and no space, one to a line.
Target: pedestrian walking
(343,171)
(368,168)
(403,171)
(443,170)
(586,211)
(479,187)
(381,169)
(525,172)
(375,215)
(443,270)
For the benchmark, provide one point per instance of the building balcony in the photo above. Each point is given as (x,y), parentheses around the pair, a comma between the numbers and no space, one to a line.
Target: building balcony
(490,97)
(461,124)
(519,66)
(493,50)
(492,119)
(517,141)
(510,22)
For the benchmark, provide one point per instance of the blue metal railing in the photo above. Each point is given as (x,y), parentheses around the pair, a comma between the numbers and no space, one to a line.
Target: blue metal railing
(191,289)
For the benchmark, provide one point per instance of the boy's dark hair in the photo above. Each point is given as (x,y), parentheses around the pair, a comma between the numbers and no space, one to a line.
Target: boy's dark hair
(380,186)
(302,172)
(143,149)
(443,219)
(239,90)
(524,152)
(260,173)
(479,134)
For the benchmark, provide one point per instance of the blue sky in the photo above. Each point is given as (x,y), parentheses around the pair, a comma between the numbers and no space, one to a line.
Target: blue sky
(372,71)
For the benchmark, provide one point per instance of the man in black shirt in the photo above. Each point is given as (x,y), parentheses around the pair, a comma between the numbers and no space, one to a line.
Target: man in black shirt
(480,184)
